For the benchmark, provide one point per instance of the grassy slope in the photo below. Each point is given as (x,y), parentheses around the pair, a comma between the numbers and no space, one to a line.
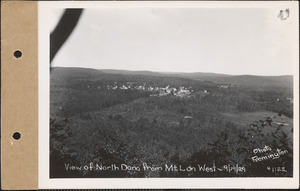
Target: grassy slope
(244,119)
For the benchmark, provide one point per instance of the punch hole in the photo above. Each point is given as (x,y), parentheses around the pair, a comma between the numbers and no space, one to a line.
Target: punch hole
(16,135)
(17,53)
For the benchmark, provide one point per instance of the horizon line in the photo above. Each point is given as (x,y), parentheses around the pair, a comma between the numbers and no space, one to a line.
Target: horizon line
(170,72)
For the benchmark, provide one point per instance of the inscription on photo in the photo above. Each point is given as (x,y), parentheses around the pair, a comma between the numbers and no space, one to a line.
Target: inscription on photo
(167,167)
(267,154)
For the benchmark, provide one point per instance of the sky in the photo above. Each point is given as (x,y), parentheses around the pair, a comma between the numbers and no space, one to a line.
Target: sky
(220,40)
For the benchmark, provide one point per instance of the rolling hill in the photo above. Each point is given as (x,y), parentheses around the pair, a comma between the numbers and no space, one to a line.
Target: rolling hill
(285,81)
(130,117)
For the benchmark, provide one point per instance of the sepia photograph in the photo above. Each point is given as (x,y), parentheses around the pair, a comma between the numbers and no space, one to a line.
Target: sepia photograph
(172,91)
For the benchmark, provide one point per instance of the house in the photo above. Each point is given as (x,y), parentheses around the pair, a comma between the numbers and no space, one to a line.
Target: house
(140,87)
(182,92)
(150,88)
(123,87)
(162,93)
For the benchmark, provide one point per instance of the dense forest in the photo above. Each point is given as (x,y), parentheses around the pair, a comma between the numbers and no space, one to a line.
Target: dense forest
(139,121)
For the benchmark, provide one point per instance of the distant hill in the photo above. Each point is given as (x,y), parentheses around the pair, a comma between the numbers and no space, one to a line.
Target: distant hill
(129,72)
(248,80)
(285,81)
(60,73)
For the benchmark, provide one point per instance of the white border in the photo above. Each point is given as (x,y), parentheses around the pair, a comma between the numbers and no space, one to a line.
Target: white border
(162,183)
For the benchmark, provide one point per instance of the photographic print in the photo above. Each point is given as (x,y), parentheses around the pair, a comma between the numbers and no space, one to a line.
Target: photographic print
(172,91)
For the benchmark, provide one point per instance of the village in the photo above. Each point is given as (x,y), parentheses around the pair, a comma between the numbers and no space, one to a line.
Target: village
(181,91)
(157,91)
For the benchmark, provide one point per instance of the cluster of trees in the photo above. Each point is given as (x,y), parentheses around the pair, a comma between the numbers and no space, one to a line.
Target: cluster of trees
(131,127)
(118,140)
(240,150)
(75,101)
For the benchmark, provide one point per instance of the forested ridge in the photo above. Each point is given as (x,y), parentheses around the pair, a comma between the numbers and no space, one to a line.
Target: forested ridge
(116,118)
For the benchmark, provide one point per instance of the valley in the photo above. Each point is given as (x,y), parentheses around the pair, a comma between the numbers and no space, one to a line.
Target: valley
(126,117)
